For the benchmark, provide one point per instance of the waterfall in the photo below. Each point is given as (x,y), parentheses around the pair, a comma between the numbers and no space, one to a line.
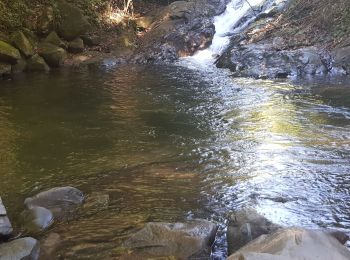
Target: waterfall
(225,25)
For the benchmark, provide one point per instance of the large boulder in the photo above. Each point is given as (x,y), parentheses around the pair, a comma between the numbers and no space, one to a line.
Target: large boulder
(5,225)
(73,23)
(246,225)
(76,46)
(8,53)
(62,201)
(265,61)
(23,248)
(54,39)
(23,44)
(293,243)
(52,54)
(37,219)
(179,240)
(37,63)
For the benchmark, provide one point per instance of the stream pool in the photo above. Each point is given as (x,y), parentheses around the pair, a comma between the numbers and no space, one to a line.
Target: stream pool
(169,143)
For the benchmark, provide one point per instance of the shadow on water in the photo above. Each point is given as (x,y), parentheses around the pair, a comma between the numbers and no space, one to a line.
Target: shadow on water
(168,143)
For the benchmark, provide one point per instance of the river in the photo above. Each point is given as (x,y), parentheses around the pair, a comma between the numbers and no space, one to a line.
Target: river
(176,142)
(169,143)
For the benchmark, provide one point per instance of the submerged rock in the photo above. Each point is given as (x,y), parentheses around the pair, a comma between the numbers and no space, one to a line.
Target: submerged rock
(23,44)
(73,23)
(179,240)
(245,226)
(62,201)
(293,243)
(23,248)
(96,201)
(8,53)
(37,219)
(37,63)
(5,225)
(76,46)
(49,245)
(52,54)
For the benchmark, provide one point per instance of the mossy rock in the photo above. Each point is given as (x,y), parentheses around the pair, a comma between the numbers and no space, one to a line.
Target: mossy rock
(8,53)
(23,44)
(72,23)
(46,21)
(76,46)
(52,54)
(54,39)
(37,63)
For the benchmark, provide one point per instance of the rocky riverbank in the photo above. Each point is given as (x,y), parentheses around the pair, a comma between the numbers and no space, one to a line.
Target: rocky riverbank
(249,235)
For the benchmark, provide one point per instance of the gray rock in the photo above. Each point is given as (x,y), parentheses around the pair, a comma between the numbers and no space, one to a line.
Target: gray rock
(53,55)
(24,248)
(22,43)
(91,40)
(293,243)
(73,23)
(8,53)
(37,63)
(49,245)
(246,225)
(62,202)
(20,66)
(180,240)
(76,46)
(37,219)
(54,39)
(263,61)
(341,59)
(5,225)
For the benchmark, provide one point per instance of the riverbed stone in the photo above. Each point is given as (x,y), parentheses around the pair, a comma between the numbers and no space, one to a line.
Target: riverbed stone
(48,245)
(53,55)
(246,225)
(62,201)
(37,218)
(21,42)
(23,248)
(54,39)
(76,46)
(37,63)
(5,225)
(179,240)
(73,23)
(8,53)
(293,243)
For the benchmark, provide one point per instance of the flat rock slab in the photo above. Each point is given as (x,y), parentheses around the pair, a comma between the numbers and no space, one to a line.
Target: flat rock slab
(5,225)
(61,201)
(23,248)
(293,243)
(179,240)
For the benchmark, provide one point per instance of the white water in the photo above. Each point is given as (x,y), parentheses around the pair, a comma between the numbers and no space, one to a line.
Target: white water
(225,24)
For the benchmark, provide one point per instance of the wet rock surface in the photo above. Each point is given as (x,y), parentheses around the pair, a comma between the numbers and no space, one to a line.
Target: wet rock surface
(62,201)
(180,29)
(23,248)
(37,218)
(178,240)
(293,243)
(5,225)
(52,54)
(245,226)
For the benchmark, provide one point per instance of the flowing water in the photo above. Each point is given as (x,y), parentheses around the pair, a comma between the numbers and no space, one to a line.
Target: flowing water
(176,142)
